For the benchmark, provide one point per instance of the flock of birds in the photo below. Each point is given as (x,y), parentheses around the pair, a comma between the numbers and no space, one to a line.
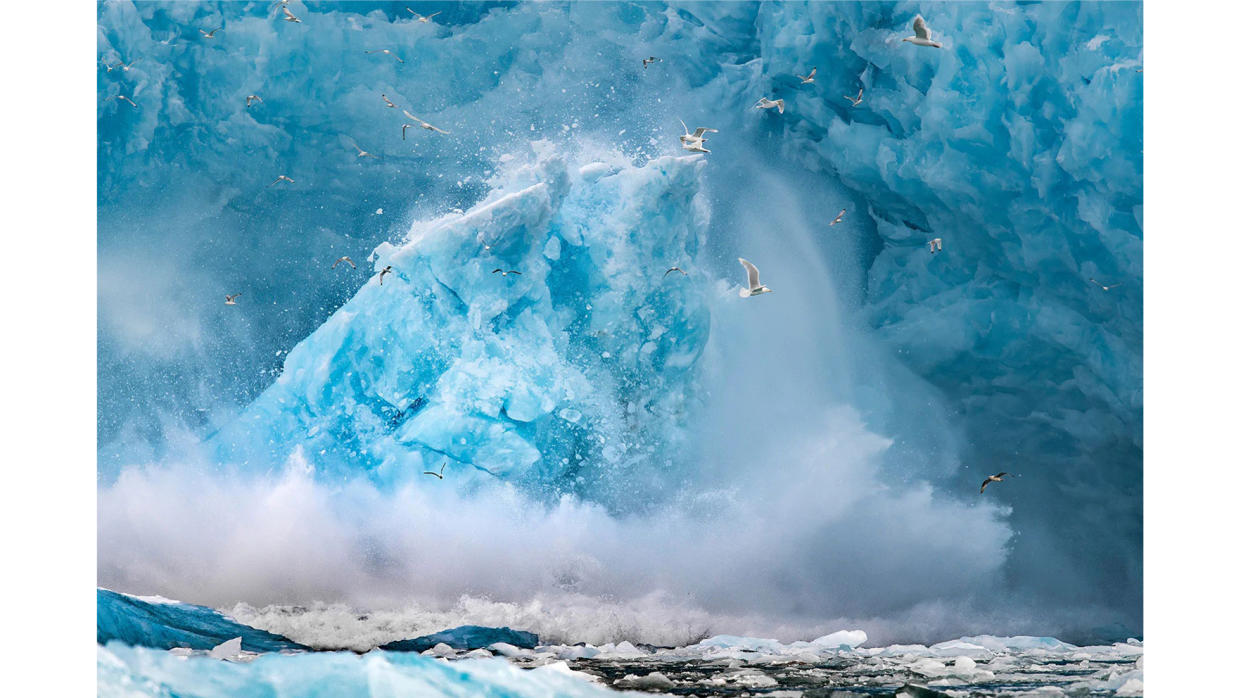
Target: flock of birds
(693,142)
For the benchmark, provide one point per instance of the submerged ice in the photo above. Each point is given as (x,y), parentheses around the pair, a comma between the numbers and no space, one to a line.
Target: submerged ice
(822,444)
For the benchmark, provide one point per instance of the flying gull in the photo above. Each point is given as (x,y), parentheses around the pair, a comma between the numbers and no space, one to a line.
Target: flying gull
(387,52)
(289,16)
(936,245)
(440,474)
(764,103)
(250,99)
(751,275)
(501,272)
(693,142)
(210,34)
(675,269)
(363,153)
(122,66)
(382,272)
(123,97)
(1109,287)
(421,18)
(388,101)
(281,178)
(231,300)
(922,35)
(998,477)
(855,100)
(650,60)
(344,259)
(807,79)
(424,124)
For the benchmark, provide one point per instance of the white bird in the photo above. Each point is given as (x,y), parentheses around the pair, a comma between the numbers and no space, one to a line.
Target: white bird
(363,153)
(231,300)
(839,217)
(998,477)
(126,99)
(210,34)
(1105,288)
(764,103)
(424,124)
(344,259)
(675,269)
(440,474)
(120,65)
(650,60)
(387,101)
(922,35)
(855,100)
(501,272)
(421,18)
(227,649)
(384,271)
(250,99)
(281,178)
(289,16)
(693,142)
(386,51)
(936,245)
(807,79)
(751,276)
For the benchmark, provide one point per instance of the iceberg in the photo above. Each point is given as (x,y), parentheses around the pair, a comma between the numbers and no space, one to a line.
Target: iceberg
(466,637)
(165,625)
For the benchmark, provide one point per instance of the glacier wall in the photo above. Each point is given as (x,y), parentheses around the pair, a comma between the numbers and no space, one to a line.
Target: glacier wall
(1019,144)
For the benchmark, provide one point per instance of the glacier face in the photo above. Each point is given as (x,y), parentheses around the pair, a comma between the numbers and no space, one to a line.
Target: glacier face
(1018,144)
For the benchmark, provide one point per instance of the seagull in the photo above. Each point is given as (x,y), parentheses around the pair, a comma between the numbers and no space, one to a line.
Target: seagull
(424,124)
(998,477)
(1105,288)
(120,65)
(421,18)
(386,51)
(344,259)
(501,272)
(123,97)
(839,217)
(922,35)
(855,100)
(807,79)
(936,245)
(404,128)
(281,178)
(210,34)
(764,103)
(650,60)
(440,474)
(385,270)
(231,300)
(363,153)
(693,141)
(674,269)
(289,16)
(250,99)
(388,101)
(751,275)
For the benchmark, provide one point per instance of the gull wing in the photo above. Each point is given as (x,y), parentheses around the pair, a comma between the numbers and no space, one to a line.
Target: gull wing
(701,130)
(812,72)
(751,273)
(684,126)
(920,29)
(984,485)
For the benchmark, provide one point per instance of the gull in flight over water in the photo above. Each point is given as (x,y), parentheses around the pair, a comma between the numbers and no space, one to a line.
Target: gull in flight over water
(424,124)
(289,16)
(855,100)
(807,79)
(231,300)
(675,269)
(363,153)
(210,34)
(839,217)
(501,272)
(387,101)
(382,272)
(936,245)
(693,142)
(650,60)
(388,52)
(122,66)
(751,277)
(764,103)
(344,259)
(440,474)
(998,477)
(281,178)
(421,18)
(1105,288)
(250,99)
(922,35)
(123,97)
